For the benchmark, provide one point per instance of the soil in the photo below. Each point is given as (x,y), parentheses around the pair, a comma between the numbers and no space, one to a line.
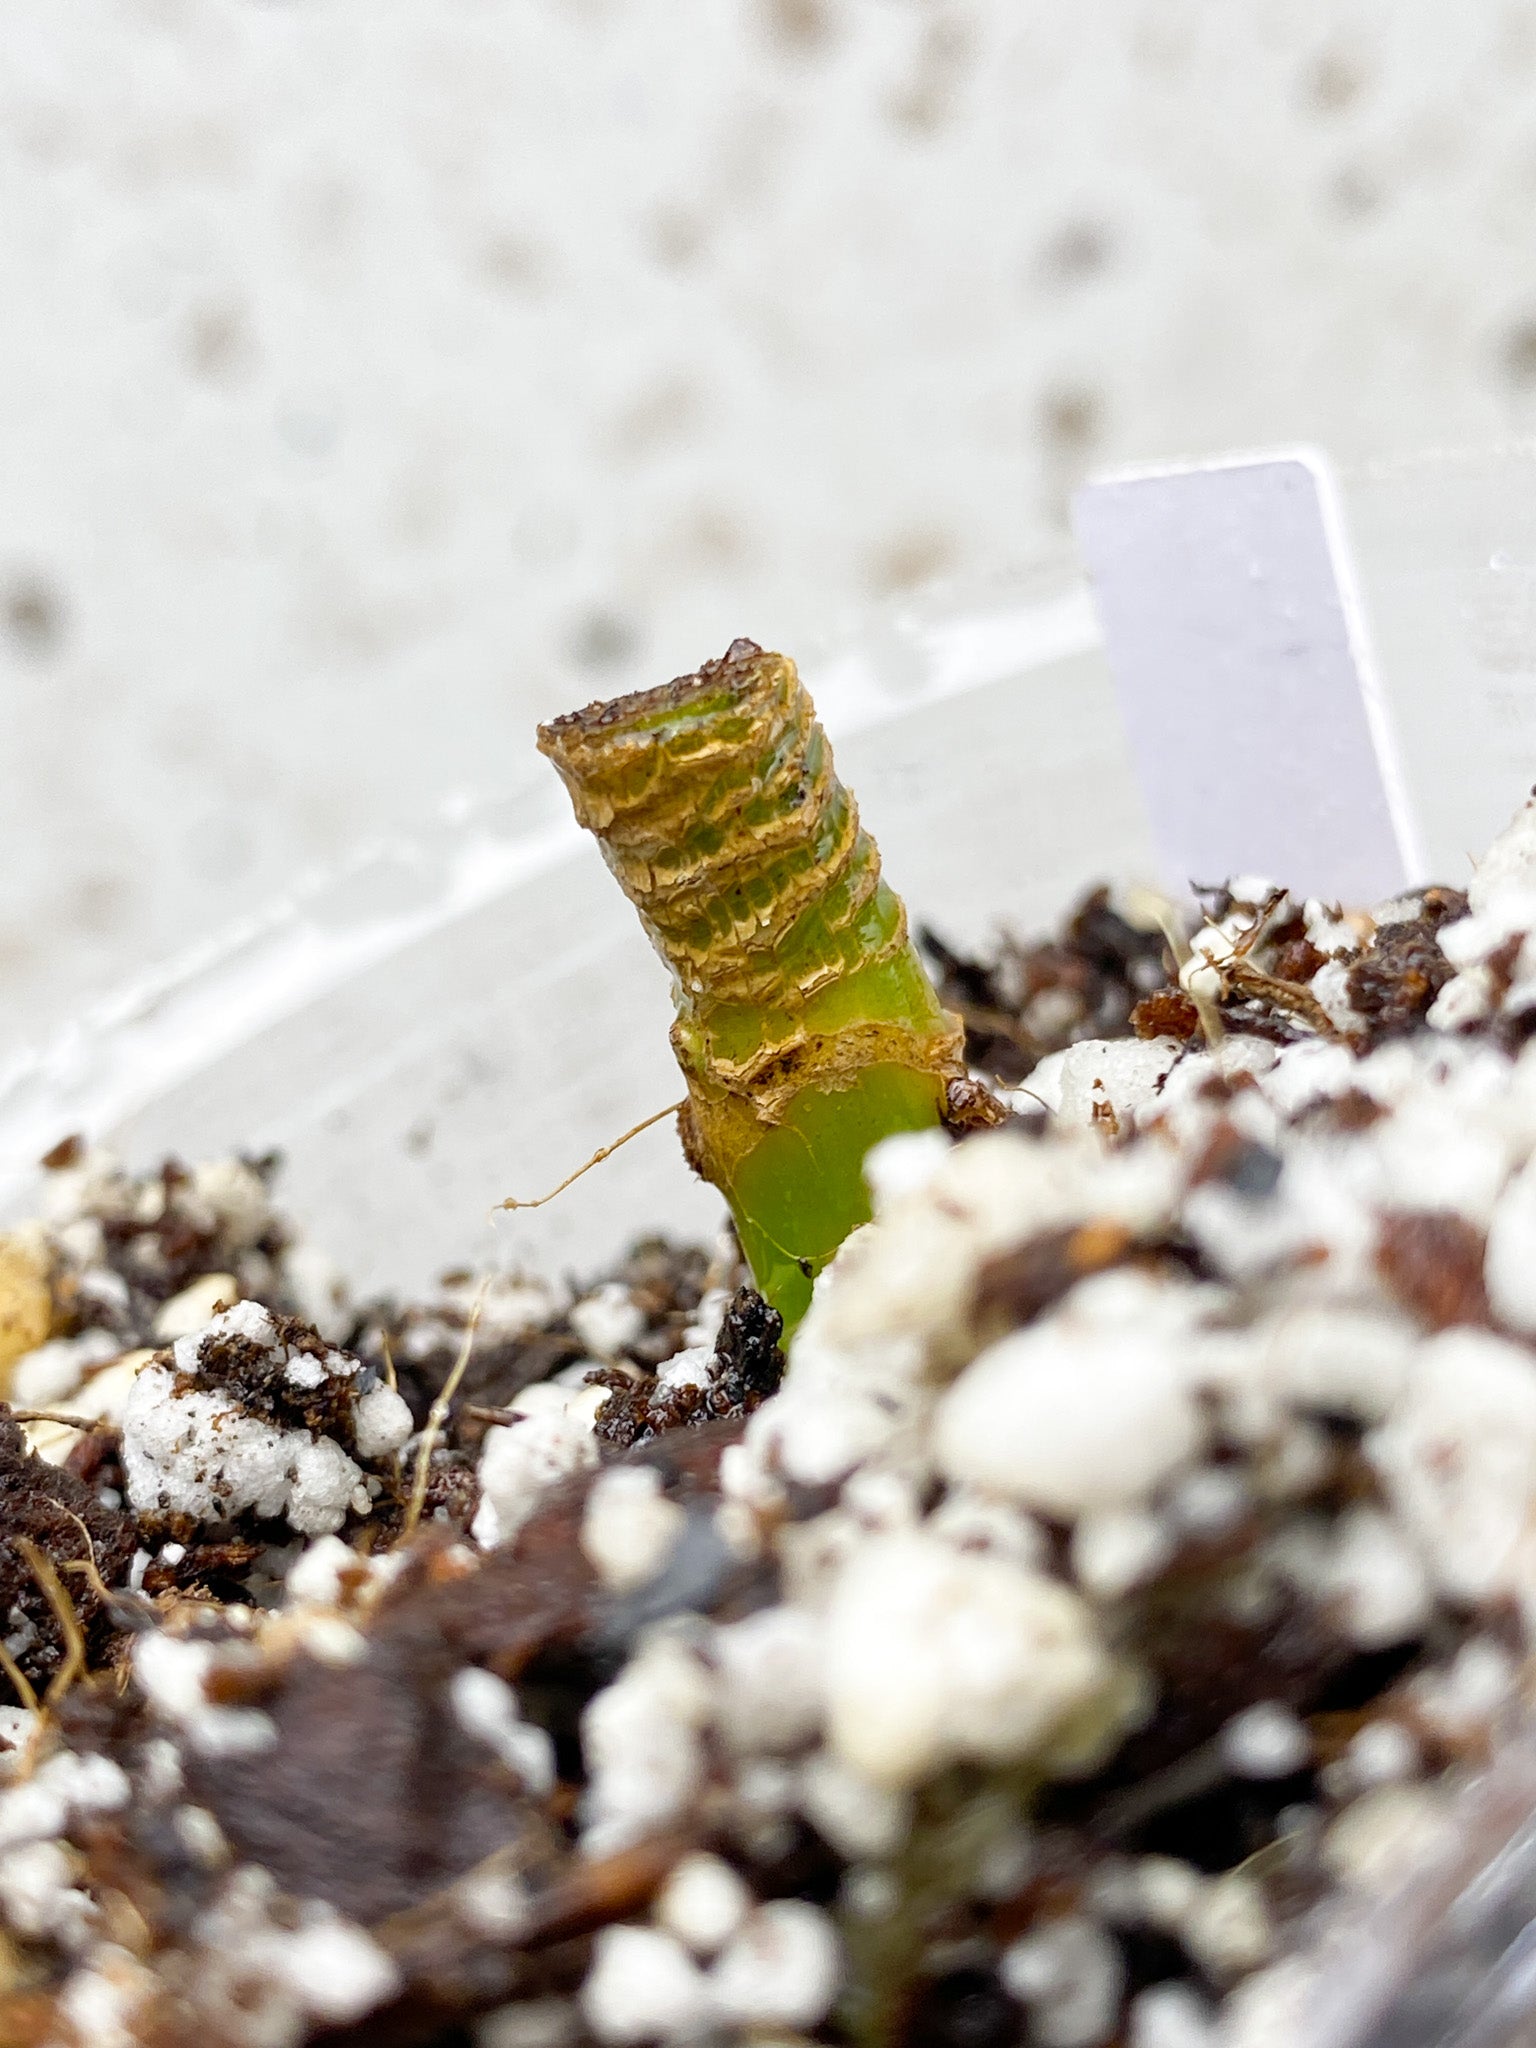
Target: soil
(405,1753)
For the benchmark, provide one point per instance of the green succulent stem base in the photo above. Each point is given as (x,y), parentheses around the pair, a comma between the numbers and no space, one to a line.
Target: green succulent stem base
(807,1029)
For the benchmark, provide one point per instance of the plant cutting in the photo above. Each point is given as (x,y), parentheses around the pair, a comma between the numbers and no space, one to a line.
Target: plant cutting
(807,1028)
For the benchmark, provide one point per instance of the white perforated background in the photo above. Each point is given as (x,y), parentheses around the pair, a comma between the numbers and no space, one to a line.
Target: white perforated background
(378,376)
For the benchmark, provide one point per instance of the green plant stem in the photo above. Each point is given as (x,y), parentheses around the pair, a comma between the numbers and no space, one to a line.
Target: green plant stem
(807,1028)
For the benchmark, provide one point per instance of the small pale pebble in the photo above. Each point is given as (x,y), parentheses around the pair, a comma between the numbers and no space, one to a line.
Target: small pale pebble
(1294,1464)
(1382,1834)
(702,1330)
(194,1306)
(972,1521)
(770,1683)
(1052,1013)
(172,1672)
(1208,1501)
(1458,1459)
(381,1422)
(628,1527)
(641,1739)
(1508,1266)
(316,1578)
(1383,1753)
(703,1903)
(1270,2008)
(1168,1890)
(48,1375)
(486,1707)
(1507,870)
(1345,1360)
(1067,1419)
(1112,1894)
(643,1986)
(331,1640)
(766,1785)
(1467,998)
(535,2023)
(104,1395)
(1377,1582)
(780,1970)
(743,1479)
(1265,1740)
(1330,989)
(1327,930)
(1118,1548)
(739,1530)
(337,1970)
(878,1500)
(18,1726)
(548,1397)
(868,1892)
(608,1320)
(1470,1695)
(1070,1974)
(1256,892)
(936,1656)
(237,1195)
(1171,2016)
(495,1902)
(39,1896)
(201,1836)
(1228,1930)
(853,1816)
(1004,1864)
(521,1462)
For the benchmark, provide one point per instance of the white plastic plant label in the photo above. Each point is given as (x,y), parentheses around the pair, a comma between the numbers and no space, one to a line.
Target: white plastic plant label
(1240,662)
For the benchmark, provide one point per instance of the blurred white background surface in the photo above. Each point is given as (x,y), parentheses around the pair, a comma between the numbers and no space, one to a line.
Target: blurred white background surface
(381,377)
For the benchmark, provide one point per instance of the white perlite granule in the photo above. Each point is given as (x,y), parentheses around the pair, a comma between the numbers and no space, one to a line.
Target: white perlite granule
(196,1452)
(608,1320)
(487,1708)
(1070,1975)
(780,1969)
(1458,1458)
(934,1656)
(642,1738)
(520,1462)
(173,1673)
(1265,1740)
(703,1903)
(1027,1418)
(628,1527)
(643,1986)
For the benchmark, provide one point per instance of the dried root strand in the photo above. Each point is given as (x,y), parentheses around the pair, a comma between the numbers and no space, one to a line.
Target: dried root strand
(21,1685)
(437,1415)
(53,1590)
(603,1152)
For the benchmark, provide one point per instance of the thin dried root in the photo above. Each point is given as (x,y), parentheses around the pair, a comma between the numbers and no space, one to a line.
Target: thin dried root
(603,1152)
(87,1565)
(85,1423)
(22,1686)
(437,1415)
(53,1590)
